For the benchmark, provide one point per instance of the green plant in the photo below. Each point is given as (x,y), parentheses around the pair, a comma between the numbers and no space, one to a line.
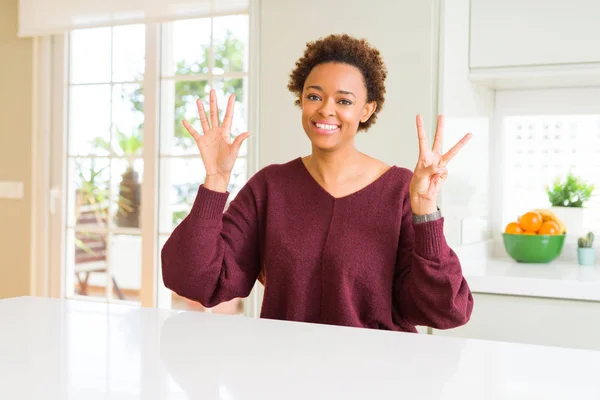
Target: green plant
(91,206)
(127,145)
(587,241)
(573,192)
(92,190)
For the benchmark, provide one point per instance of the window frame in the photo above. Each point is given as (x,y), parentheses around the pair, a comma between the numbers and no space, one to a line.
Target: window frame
(49,171)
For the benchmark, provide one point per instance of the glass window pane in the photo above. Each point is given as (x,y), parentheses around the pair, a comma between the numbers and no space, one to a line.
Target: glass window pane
(180,179)
(127,177)
(186,47)
(89,120)
(178,102)
(541,148)
(224,88)
(239,176)
(129,51)
(88,192)
(126,266)
(90,55)
(230,43)
(89,263)
(128,120)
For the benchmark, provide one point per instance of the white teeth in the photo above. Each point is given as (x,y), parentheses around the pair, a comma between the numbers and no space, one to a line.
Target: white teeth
(328,127)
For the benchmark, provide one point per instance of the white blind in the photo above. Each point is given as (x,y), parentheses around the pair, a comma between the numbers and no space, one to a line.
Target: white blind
(46,17)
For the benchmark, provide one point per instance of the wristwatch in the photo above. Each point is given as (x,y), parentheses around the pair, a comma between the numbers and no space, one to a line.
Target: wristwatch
(419,219)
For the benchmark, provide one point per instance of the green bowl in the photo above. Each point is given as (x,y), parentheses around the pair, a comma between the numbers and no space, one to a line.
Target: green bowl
(533,248)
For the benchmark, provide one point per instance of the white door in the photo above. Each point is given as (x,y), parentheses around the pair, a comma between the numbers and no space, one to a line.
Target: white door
(124,170)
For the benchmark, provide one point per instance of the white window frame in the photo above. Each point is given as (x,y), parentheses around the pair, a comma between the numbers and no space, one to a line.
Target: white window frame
(555,101)
(49,170)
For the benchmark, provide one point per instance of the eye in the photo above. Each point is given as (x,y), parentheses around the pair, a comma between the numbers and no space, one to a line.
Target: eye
(313,97)
(345,102)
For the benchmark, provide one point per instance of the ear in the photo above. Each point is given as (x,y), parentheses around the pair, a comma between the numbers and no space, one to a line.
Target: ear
(368,110)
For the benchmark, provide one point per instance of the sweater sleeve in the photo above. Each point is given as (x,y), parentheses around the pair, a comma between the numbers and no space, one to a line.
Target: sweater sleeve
(213,256)
(429,287)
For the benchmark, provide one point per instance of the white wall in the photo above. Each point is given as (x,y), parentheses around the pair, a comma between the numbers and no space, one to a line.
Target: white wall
(405,33)
(465,199)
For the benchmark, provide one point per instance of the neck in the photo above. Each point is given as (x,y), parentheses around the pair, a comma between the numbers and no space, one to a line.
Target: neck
(334,166)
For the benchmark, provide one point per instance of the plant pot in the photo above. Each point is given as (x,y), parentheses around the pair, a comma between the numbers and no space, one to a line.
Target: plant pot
(128,215)
(586,255)
(573,218)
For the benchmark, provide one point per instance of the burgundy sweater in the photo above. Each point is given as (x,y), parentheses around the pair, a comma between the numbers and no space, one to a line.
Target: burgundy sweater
(358,260)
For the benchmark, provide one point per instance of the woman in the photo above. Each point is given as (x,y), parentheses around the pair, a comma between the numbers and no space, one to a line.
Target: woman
(336,237)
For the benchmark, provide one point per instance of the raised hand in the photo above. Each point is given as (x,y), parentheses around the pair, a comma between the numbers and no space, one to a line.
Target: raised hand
(216,148)
(431,169)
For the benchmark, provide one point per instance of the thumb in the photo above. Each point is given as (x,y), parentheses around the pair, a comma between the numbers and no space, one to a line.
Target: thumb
(237,143)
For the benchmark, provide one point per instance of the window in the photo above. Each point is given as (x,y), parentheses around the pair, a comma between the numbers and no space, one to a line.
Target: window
(107,153)
(541,149)
(544,135)
(104,162)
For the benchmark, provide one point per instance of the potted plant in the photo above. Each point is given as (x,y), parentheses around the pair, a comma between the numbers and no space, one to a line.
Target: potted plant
(567,199)
(586,254)
(128,214)
(129,196)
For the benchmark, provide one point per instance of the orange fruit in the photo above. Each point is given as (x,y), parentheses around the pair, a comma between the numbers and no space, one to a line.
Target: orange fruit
(513,227)
(531,221)
(529,233)
(549,228)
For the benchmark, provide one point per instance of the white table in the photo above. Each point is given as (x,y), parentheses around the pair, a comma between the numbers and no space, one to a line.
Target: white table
(52,349)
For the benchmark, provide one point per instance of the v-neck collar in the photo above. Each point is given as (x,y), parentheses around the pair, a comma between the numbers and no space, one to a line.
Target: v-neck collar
(364,189)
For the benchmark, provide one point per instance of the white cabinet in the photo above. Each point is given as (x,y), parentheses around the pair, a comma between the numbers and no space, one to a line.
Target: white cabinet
(532,320)
(517,33)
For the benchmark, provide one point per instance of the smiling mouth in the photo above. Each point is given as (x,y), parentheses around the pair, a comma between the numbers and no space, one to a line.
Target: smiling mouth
(325,128)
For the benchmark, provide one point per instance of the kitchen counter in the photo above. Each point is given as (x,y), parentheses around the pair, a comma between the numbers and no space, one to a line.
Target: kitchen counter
(57,349)
(560,280)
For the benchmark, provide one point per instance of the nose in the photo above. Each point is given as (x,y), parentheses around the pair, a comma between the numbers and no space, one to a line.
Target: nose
(327,108)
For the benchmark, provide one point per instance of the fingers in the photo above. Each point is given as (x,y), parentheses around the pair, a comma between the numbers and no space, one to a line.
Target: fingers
(437,183)
(237,143)
(202,114)
(227,119)
(450,154)
(440,171)
(422,171)
(214,110)
(421,134)
(439,134)
(191,130)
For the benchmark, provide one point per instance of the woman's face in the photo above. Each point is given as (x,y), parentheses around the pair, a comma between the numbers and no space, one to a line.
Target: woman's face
(333,104)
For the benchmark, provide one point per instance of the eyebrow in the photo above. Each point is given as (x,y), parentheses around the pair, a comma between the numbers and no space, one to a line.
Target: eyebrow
(339,91)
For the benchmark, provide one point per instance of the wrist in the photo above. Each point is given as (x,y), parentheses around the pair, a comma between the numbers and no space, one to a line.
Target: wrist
(420,207)
(217,183)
